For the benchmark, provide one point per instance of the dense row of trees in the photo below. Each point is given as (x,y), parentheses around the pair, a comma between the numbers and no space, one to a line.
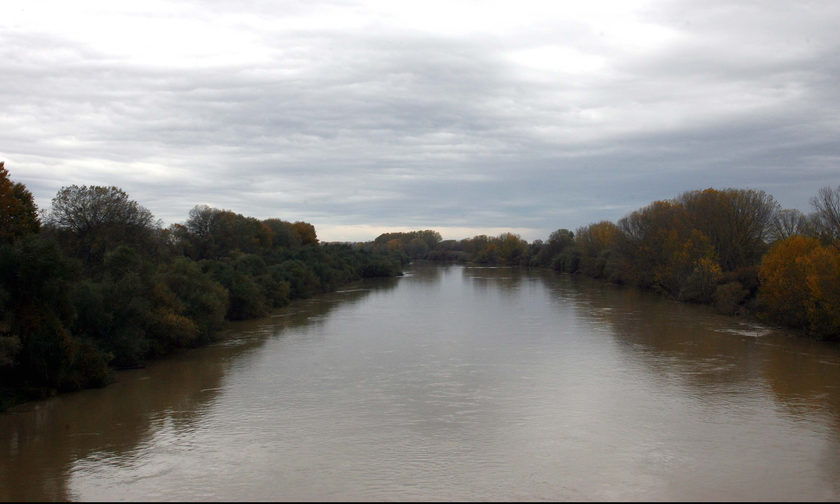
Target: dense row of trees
(98,283)
(734,248)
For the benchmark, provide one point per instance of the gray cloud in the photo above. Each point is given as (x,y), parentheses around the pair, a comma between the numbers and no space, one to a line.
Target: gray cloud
(353,114)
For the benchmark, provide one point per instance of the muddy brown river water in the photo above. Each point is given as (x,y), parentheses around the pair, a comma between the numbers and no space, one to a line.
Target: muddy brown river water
(452,383)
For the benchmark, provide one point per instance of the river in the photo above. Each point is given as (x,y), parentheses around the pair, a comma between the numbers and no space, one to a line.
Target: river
(452,383)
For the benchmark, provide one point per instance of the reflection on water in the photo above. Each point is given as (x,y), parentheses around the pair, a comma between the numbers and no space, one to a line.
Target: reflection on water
(452,383)
(759,376)
(40,441)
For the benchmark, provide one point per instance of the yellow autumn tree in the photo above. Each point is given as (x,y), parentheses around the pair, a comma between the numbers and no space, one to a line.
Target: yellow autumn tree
(394,245)
(784,288)
(800,285)
(823,279)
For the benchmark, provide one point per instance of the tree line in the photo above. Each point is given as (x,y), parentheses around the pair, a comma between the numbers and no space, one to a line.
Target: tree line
(735,249)
(96,283)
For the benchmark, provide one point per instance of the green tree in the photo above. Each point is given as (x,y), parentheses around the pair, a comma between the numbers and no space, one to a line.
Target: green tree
(416,244)
(283,234)
(303,280)
(211,233)
(91,220)
(545,254)
(416,248)
(246,299)
(116,309)
(596,246)
(38,311)
(203,300)
(512,250)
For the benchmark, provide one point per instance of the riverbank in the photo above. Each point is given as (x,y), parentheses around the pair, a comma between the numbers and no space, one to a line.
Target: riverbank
(734,249)
(69,326)
(11,395)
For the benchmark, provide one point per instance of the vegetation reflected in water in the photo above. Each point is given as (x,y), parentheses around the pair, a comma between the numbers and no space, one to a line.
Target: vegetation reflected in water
(40,441)
(453,383)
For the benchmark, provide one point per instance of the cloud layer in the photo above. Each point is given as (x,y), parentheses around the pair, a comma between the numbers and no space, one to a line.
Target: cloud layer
(465,117)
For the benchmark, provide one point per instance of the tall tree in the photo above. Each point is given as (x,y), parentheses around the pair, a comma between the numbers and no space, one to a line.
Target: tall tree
(95,219)
(595,244)
(786,223)
(736,221)
(283,233)
(18,213)
(800,285)
(306,232)
(827,205)
(213,233)
(660,249)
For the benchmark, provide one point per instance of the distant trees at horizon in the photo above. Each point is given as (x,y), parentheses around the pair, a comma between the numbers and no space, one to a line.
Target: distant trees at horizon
(735,249)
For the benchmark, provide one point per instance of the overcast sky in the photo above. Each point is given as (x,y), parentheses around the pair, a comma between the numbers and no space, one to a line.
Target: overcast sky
(465,117)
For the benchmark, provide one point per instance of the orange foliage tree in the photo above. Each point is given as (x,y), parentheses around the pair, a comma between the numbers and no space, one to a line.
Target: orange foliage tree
(800,285)
(660,249)
(306,232)
(823,282)
(18,214)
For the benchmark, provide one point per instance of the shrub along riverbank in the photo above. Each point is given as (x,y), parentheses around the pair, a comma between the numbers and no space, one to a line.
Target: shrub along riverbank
(100,285)
(735,249)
